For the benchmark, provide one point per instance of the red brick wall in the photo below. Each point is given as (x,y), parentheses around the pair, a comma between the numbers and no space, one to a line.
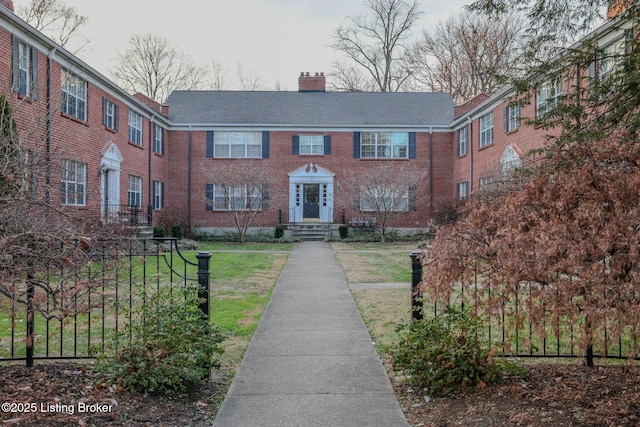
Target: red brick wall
(282,162)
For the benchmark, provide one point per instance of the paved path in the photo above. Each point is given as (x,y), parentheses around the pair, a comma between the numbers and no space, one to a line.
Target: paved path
(311,362)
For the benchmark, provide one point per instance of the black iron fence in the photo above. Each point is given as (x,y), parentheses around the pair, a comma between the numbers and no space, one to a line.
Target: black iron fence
(520,323)
(70,315)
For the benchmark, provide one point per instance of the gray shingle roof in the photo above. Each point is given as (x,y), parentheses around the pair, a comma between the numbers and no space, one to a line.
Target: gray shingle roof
(310,108)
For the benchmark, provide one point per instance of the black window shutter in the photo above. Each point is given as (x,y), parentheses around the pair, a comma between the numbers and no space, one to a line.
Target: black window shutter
(265,197)
(506,119)
(209,197)
(327,144)
(412,145)
(265,144)
(356,145)
(104,111)
(295,145)
(412,198)
(34,73)
(116,117)
(14,64)
(209,144)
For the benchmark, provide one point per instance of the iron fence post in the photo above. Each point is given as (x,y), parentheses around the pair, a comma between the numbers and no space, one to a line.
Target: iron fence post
(204,261)
(416,278)
(30,321)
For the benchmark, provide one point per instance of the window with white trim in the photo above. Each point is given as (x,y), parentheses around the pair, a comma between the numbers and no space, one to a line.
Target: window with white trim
(611,59)
(486,130)
(158,140)
(233,198)
(548,96)
(485,182)
(384,145)
(74,183)
(512,117)
(109,114)
(135,127)
(238,145)
(463,148)
(158,195)
(23,69)
(74,95)
(134,198)
(384,200)
(311,144)
(462,189)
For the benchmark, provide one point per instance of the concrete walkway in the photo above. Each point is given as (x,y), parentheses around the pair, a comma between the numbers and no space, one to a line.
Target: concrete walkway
(311,362)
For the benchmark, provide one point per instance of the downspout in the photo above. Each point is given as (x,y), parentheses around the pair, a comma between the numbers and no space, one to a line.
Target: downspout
(48,125)
(190,177)
(150,185)
(470,130)
(431,168)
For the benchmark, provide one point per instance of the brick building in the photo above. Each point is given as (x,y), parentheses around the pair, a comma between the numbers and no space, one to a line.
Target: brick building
(117,154)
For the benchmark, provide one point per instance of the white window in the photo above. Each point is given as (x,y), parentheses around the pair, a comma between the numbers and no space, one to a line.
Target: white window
(612,59)
(384,145)
(23,86)
(384,200)
(462,142)
(135,191)
(311,144)
(109,114)
(486,130)
(512,117)
(135,127)
(74,183)
(233,198)
(547,96)
(158,195)
(485,182)
(238,144)
(462,189)
(158,140)
(74,95)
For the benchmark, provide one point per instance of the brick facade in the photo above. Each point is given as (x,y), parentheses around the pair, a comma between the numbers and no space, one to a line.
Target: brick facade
(184,168)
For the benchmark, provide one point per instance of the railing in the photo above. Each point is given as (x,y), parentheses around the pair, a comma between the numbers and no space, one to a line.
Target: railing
(70,314)
(133,216)
(526,325)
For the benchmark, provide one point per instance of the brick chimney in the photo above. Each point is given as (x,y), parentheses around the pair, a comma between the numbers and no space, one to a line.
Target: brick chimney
(309,83)
(8,4)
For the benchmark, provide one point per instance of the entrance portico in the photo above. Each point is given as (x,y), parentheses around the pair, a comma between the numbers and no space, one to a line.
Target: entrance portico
(311,194)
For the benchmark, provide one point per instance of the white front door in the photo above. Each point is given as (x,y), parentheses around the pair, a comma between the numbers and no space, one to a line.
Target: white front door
(110,181)
(311,194)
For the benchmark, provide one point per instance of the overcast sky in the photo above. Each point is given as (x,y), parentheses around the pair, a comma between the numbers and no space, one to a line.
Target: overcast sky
(274,39)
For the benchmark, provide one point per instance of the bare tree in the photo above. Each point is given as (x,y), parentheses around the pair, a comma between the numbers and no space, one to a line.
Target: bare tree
(248,79)
(45,247)
(218,76)
(468,54)
(155,67)
(377,42)
(60,22)
(242,192)
(382,193)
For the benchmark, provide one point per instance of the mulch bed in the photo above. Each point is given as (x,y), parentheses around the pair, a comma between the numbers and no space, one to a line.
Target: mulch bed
(59,388)
(551,395)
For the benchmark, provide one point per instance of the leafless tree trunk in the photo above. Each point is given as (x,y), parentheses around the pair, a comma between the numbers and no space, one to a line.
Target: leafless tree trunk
(377,43)
(155,67)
